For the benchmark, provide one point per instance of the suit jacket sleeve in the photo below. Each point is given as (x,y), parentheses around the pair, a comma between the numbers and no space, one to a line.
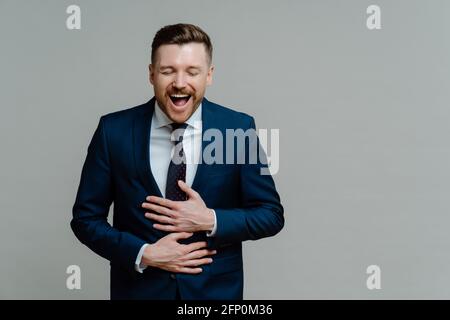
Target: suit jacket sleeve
(90,211)
(260,214)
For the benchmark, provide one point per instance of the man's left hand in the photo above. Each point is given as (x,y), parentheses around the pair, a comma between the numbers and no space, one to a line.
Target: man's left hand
(180,216)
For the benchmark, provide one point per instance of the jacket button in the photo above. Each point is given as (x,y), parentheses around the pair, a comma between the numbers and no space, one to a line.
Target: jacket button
(173,276)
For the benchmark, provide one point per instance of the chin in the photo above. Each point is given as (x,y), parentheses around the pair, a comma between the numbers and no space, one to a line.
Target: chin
(179,118)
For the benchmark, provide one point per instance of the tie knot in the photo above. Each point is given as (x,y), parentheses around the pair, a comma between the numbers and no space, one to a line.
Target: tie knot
(176,126)
(177,135)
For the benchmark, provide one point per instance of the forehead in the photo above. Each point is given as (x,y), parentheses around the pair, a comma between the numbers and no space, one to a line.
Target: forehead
(189,54)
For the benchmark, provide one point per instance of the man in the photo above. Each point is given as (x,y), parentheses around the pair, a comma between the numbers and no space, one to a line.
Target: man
(178,222)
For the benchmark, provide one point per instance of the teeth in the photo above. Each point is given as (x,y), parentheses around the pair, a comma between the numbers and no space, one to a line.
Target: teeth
(179,95)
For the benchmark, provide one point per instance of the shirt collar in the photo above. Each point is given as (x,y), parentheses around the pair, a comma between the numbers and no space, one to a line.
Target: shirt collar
(161,120)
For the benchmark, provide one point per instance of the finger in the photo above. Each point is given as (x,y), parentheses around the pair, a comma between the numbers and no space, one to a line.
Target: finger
(196,262)
(189,270)
(161,201)
(199,254)
(159,218)
(196,246)
(166,227)
(159,209)
(181,235)
(189,191)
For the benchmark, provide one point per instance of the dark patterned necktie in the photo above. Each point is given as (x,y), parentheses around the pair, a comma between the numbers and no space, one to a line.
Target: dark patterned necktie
(177,166)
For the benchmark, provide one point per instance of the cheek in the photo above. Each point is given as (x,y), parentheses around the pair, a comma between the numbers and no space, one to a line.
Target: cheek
(161,84)
(199,86)
(159,91)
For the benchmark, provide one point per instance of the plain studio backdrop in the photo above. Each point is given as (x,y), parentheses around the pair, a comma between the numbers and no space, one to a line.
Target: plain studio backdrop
(364,136)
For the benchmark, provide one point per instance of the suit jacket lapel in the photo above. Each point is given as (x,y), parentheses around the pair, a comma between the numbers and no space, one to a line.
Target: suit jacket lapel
(141,141)
(208,122)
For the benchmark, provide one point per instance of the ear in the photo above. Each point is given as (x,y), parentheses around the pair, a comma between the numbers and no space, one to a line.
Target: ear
(209,76)
(151,73)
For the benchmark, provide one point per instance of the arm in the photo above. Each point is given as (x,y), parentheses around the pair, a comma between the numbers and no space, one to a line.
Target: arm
(90,211)
(261,213)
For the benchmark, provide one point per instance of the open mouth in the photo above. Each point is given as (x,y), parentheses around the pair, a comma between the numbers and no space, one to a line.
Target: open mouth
(179,100)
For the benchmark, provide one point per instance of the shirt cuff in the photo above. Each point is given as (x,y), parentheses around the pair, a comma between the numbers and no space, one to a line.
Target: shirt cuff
(138,266)
(212,233)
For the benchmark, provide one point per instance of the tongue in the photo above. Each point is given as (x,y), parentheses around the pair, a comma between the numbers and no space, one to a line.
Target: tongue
(180,101)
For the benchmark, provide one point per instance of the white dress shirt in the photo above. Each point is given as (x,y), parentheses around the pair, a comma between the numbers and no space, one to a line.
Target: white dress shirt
(161,148)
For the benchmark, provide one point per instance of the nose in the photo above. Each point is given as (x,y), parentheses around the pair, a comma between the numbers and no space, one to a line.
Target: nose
(180,81)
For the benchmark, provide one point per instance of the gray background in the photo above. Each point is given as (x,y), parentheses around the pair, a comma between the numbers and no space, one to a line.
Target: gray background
(363,118)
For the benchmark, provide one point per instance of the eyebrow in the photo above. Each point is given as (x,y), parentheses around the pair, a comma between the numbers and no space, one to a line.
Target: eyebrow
(170,67)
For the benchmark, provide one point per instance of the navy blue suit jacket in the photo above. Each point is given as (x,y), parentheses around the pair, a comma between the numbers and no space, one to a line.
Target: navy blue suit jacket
(117,170)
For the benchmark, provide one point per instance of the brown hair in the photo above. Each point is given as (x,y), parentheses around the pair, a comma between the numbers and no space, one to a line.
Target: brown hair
(181,33)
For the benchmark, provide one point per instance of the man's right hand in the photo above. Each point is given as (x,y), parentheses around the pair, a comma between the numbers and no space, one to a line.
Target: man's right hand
(169,255)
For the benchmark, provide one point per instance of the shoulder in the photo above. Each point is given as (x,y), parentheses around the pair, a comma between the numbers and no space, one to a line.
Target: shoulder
(229,113)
